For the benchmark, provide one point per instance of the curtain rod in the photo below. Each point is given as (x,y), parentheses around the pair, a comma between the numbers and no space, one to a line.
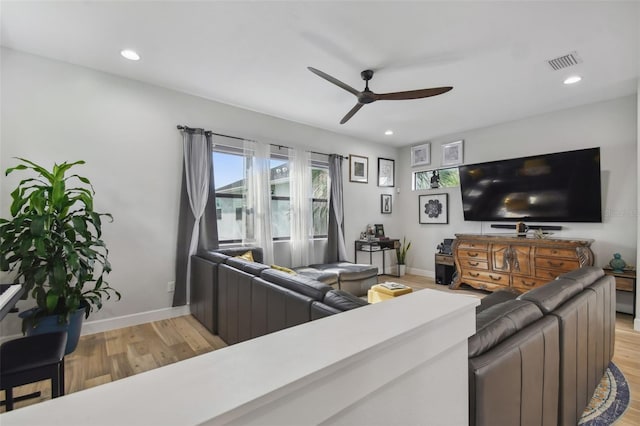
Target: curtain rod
(209,132)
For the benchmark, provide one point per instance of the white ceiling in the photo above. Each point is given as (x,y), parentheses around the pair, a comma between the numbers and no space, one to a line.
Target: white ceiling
(254,55)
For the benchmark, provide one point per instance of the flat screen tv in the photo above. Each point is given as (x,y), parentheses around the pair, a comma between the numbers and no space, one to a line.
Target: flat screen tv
(559,187)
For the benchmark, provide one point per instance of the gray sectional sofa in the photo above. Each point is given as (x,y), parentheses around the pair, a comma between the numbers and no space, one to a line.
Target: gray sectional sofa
(537,358)
(239,300)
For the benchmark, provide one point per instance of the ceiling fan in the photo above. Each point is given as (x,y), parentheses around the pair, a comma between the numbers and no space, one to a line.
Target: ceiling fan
(367,96)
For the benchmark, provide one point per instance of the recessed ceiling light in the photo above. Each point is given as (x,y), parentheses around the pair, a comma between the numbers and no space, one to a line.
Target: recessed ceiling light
(130,54)
(573,79)
(388,132)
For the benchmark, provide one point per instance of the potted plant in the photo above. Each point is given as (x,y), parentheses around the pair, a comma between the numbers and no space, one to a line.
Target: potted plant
(401,254)
(52,242)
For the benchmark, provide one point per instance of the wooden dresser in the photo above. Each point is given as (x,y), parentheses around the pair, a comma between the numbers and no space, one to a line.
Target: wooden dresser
(496,261)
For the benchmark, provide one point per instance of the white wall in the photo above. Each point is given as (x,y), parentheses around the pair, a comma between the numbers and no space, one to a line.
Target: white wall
(126,132)
(611,125)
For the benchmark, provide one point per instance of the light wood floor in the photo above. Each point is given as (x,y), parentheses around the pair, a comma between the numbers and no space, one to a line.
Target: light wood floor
(105,357)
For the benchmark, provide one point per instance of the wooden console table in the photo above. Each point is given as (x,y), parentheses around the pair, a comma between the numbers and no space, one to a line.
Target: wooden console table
(376,246)
(496,261)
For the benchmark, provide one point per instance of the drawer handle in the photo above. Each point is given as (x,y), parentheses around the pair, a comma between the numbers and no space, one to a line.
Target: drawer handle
(555,265)
(474,275)
(554,251)
(473,263)
(495,278)
(528,284)
(473,254)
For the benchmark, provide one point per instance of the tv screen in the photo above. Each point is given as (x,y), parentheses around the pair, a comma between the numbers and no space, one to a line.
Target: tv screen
(559,187)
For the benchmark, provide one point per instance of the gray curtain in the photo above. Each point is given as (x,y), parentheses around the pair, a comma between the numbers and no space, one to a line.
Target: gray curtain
(336,248)
(208,229)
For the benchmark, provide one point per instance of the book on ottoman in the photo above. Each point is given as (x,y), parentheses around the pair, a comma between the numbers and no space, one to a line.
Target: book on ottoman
(392,289)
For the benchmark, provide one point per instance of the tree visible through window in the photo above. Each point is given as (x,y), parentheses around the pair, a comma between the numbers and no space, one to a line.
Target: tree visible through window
(447,178)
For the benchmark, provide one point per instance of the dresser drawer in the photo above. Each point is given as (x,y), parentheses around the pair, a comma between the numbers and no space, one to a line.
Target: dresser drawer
(474,264)
(472,245)
(562,265)
(527,283)
(490,277)
(556,252)
(547,274)
(483,285)
(473,254)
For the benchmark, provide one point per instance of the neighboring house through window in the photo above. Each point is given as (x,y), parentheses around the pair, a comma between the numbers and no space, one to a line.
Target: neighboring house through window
(230,168)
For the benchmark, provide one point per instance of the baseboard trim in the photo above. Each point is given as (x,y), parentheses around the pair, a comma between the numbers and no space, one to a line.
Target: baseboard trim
(421,272)
(99,326)
(636,324)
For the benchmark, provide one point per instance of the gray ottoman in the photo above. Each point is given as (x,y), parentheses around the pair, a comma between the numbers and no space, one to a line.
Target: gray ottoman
(326,277)
(354,278)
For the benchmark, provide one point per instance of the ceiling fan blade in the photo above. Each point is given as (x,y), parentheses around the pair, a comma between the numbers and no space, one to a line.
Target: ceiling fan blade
(334,81)
(351,113)
(412,94)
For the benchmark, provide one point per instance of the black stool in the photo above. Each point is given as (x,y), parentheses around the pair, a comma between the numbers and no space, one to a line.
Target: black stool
(32,359)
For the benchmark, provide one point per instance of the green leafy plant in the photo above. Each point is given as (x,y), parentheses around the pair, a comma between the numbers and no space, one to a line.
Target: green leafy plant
(53,242)
(401,251)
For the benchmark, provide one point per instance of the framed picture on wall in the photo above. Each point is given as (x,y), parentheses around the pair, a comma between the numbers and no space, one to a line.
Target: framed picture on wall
(452,153)
(358,169)
(421,155)
(385,203)
(433,208)
(386,172)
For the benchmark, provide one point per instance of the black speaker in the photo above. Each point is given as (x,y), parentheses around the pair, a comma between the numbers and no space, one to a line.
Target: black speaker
(444,274)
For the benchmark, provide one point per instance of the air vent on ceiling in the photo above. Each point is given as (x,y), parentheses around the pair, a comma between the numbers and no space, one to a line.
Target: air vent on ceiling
(565,61)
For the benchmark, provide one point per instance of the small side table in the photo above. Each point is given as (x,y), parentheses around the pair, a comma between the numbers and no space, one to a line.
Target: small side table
(380,246)
(625,281)
(445,268)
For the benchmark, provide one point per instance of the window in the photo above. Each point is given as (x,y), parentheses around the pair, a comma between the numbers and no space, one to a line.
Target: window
(228,177)
(448,178)
(234,224)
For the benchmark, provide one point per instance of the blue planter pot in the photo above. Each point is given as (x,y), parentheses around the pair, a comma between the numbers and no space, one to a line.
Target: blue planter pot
(50,324)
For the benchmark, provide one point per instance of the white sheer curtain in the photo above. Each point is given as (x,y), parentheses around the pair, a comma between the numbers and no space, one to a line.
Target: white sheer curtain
(301,190)
(258,198)
(197,167)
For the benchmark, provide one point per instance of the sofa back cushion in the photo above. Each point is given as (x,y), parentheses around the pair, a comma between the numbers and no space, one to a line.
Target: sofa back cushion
(585,275)
(256,252)
(252,268)
(298,283)
(497,323)
(342,300)
(553,294)
(213,256)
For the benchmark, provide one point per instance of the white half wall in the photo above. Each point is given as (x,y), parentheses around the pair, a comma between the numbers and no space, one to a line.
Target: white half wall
(126,132)
(610,125)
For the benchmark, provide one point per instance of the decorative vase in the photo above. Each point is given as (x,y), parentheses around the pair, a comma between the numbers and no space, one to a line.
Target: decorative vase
(617,263)
(50,324)
(402,269)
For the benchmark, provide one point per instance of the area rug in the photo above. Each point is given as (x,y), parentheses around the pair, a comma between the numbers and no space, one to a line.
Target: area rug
(609,401)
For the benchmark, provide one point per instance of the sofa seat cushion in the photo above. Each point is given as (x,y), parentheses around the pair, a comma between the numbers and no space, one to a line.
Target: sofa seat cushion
(327,277)
(497,323)
(349,271)
(298,283)
(585,275)
(252,268)
(553,294)
(342,300)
